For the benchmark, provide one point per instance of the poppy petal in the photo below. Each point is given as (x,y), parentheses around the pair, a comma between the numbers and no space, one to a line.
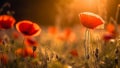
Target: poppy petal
(30,42)
(28,28)
(90,20)
(74,53)
(6,21)
(35,29)
(28,51)
(52,30)
(110,28)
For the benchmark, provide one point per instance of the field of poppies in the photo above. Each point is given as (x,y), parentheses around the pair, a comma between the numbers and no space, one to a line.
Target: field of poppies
(90,45)
(93,44)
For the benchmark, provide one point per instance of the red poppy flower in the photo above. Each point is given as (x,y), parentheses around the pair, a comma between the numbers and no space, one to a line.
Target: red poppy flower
(110,28)
(34,55)
(60,37)
(69,35)
(28,51)
(107,36)
(4,58)
(67,32)
(24,52)
(28,28)
(30,42)
(65,35)
(6,22)
(74,53)
(19,51)
(90,20)
(52,30)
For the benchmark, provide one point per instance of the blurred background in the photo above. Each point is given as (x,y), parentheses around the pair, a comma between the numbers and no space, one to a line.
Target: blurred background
(72,46)
(62,13)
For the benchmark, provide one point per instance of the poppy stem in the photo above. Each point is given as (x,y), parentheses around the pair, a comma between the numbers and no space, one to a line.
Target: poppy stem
(23,45)
(86,43)
(116,18)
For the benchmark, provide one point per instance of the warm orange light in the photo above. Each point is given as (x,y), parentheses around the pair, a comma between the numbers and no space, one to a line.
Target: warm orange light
(85,5)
